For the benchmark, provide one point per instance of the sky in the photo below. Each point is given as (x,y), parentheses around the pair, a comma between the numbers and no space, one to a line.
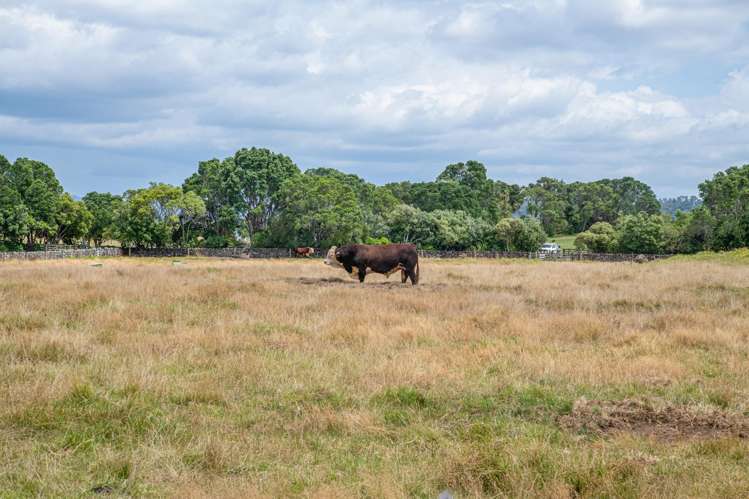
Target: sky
(114,94)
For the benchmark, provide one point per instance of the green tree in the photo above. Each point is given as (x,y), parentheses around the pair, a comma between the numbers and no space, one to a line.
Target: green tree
(317,211)
(72,220)
(254,180)
(599,238)
(640,233)
(39,192)
(375,202)
(457,230)
(727,198)
(462,187)
(590,203)
(697,232)
(14,216)
(189,209)
(471,174)
(633,196)
(157,216)
(519,234)
(215,183)
(548,201)
(407,224)
(509,198)
(103,206)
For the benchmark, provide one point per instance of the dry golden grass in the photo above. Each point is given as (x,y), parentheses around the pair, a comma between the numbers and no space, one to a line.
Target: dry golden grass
(278,378)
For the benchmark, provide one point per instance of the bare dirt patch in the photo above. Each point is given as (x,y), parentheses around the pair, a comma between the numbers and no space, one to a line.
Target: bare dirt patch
(667,422)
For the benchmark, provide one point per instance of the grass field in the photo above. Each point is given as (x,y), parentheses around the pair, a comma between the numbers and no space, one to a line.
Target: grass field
(565,242)
(286,378)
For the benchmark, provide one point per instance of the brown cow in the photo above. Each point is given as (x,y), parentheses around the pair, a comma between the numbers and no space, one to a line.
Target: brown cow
(304,251)
(382,259)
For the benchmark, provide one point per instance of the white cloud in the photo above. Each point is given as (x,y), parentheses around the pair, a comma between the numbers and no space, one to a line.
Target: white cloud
(558,84)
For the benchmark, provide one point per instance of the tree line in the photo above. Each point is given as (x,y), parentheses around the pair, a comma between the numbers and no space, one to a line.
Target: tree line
(261,198)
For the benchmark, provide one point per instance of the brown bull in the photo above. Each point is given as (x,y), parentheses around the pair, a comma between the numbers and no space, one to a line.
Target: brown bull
(382,259)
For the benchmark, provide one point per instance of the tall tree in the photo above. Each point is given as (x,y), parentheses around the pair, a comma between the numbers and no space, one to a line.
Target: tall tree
(633,196)
(727,198)
(254,181)
(14,216)
(548,201)
(103,206)
(317,211)
(408,224)
(590,203)
(215,183)
(40,193)
(157,216)
(462,187)
(72,220)
(375,202)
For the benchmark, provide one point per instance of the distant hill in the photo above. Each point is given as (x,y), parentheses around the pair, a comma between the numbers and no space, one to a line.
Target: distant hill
(670,206)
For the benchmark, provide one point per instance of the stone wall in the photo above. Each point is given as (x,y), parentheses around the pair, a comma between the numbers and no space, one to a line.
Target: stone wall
(59,254)
(569,256)
(319,253)
(216,252)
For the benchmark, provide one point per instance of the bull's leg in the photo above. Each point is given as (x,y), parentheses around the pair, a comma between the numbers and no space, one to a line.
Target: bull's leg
(404,276)
(362,273)
(414,278)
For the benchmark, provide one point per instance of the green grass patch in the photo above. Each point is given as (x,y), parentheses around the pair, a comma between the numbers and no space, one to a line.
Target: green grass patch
(566,242)
(86,418)
(735,257)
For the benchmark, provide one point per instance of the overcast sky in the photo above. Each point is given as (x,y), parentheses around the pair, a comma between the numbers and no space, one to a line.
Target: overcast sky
(116,93)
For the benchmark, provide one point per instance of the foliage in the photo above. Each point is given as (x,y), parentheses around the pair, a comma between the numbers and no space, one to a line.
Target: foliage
(547,201)
(317,211)
(253,183)
(641,233)
(727,198)
(520,234)
(574,207)
(457,230)
(72,220)
(14,216)
(599,238)
(375,202)
(260,197)
(462,187)
(408,224)
(214,183)
(36,193)
(696,230)
(103,206)
(34,209)
(157,216)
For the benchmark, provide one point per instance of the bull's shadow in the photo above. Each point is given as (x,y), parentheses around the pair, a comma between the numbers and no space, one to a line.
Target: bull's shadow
(337,281)
(352,283)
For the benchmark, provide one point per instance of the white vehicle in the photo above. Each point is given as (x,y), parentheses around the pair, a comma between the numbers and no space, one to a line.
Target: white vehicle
(550,248)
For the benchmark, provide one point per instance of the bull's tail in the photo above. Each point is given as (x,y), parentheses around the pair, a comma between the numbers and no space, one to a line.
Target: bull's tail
(417,272)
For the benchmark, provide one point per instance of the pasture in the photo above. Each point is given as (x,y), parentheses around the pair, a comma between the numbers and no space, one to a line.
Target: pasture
(286,378)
